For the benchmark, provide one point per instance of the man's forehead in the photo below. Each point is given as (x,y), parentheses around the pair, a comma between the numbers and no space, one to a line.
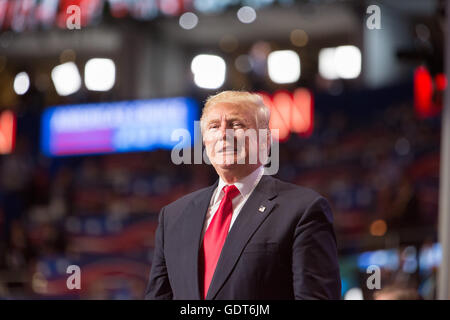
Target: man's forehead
(226,115)
(228,110)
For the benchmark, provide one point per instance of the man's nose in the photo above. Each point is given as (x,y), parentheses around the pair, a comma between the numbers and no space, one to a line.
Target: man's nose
(223,131)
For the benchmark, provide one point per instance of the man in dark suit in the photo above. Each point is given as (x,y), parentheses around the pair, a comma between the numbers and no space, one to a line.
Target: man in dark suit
(248,236)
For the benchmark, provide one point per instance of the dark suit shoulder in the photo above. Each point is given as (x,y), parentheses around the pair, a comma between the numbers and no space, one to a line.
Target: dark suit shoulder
(293,190)
(307,200)
(185,200)
(296,200)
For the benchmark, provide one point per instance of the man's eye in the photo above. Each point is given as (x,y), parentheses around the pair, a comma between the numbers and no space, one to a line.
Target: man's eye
(212,126)
(237,124)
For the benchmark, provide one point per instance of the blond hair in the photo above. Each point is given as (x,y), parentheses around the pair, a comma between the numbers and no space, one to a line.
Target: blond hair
(241,98)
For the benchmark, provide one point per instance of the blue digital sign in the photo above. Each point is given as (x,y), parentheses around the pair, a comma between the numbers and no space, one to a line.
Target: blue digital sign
(139,125)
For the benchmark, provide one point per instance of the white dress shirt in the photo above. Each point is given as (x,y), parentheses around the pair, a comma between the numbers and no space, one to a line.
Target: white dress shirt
(245,186)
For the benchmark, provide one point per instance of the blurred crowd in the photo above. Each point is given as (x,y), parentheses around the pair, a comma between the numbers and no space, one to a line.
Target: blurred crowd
(380,173)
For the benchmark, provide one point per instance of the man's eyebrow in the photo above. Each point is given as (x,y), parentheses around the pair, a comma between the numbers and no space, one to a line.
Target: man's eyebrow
(237,119)
(234,117)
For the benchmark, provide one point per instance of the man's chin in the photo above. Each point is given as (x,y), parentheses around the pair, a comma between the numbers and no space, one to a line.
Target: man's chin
(229,162)
(227,166)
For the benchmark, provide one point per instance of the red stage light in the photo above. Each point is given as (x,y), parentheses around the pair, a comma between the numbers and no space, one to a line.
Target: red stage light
(7,132)
(441,81)
(290,112)
(428,95)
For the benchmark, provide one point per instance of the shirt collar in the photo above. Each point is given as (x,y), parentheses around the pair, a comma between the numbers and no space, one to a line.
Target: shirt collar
(245,185)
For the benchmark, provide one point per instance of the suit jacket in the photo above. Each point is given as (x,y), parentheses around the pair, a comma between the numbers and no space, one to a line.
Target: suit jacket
(285,251)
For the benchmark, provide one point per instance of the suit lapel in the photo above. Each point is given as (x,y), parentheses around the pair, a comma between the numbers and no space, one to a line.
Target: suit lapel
(247,222)
(193,220)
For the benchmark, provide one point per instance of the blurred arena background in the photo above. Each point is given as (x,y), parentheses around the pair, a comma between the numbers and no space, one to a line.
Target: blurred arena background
(86,116)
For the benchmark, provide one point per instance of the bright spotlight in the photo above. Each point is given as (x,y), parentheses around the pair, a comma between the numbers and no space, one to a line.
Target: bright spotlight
(342,62)
(327,64)
(188,20)
(209,71)
(66,78)
(99,74)
(21,83)
(354,294)
(283,66)
(246,14)
(348,62)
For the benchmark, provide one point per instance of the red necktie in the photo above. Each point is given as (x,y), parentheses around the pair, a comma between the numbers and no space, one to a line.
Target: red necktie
(215,236)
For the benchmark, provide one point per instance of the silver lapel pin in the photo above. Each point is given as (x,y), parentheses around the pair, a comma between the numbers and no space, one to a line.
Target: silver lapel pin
(262,208)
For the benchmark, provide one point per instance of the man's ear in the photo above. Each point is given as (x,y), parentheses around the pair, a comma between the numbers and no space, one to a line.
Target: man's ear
(269,141)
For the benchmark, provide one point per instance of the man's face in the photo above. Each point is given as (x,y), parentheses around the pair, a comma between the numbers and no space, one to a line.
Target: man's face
(227,137)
